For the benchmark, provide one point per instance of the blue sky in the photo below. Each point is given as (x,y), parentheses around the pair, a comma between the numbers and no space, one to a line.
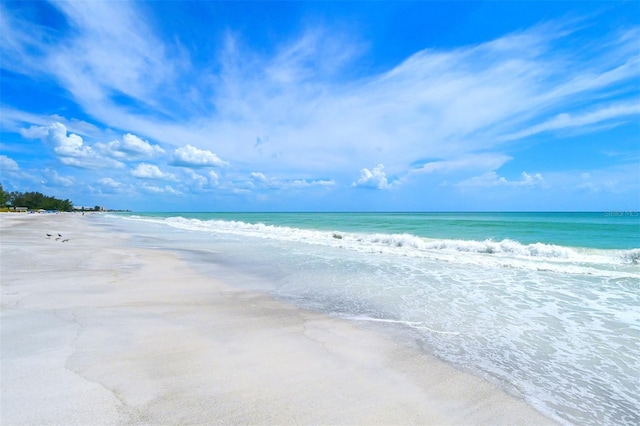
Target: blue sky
(345,106)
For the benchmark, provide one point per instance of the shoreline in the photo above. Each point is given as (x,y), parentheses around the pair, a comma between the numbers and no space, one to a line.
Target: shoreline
(95,330)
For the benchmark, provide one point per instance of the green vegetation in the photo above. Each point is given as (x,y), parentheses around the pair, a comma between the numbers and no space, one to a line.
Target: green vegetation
(33,201)
(5,197)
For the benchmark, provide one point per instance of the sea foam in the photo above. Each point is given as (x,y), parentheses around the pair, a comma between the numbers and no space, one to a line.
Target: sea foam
(557,323)
(505,253)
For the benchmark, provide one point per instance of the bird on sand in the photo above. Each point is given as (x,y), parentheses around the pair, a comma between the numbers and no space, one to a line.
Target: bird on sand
(59,235)
(48,235)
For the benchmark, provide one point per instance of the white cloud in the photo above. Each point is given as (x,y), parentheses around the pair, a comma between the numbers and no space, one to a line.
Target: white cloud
(75,125)
(151,171)
(132,143)
(442,104)
(131,147)
(260,180)
(84,63)
(198,180)
(258,177)
(190,156)
(436,104)
(34,132)
(303,183)
(210,180)
(213,178)
(55,179)
(582,120)
(484,161)
(491,178)
(372,179)
(617,179)
(110,183)
(528,180)
(15,120)
(8,164)
(167,189)
(70,147)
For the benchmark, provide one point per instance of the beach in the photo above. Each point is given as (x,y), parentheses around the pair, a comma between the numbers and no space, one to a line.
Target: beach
(98,331)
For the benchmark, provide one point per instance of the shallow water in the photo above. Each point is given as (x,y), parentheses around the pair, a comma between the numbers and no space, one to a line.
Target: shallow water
(547,305)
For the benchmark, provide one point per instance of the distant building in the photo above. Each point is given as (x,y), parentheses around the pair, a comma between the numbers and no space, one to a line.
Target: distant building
(89,209)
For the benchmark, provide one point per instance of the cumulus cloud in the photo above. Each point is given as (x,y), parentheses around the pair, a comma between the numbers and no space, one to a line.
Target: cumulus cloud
(8,164)
(131,147)
(151,171)
(257,177)
(70,147)
(210,180)
(444,104)
(372,179)
(190,156)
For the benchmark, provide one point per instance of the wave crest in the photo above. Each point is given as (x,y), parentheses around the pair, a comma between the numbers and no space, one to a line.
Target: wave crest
(403,244)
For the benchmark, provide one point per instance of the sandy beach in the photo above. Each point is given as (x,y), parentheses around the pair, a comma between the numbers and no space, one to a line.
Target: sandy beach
(96,331)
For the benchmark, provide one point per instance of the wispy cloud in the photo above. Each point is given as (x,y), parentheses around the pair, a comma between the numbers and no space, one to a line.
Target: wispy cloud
(111,185)
(260,180)
(167,189)
(471,162)
(584,121)
(491,178)
(8,164)
(53,178)
(299,114)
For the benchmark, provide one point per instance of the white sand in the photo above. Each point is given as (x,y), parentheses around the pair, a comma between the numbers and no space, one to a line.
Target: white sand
(97,332)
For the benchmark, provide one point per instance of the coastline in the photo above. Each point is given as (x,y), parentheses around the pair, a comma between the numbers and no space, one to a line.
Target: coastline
(97,331)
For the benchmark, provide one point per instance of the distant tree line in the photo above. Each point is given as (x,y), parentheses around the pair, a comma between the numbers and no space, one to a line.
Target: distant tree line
(33,201)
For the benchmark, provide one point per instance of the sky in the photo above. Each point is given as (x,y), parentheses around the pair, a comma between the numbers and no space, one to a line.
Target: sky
(323,106)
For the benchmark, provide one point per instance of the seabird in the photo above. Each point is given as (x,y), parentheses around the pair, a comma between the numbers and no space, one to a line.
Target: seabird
(48,235)
(64,241)
(59,235)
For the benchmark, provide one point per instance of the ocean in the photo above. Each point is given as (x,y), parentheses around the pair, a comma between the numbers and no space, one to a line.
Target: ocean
(545,305)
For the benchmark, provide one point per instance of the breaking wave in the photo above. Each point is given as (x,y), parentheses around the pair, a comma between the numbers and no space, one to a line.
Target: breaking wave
(411,245)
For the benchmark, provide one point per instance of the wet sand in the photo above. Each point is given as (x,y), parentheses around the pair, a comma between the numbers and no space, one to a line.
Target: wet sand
(95,331)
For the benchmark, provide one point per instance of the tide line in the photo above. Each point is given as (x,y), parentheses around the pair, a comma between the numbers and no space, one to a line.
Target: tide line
(413,324)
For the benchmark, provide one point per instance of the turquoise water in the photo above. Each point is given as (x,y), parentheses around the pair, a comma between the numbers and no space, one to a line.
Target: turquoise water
(602,230)
(546,305)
